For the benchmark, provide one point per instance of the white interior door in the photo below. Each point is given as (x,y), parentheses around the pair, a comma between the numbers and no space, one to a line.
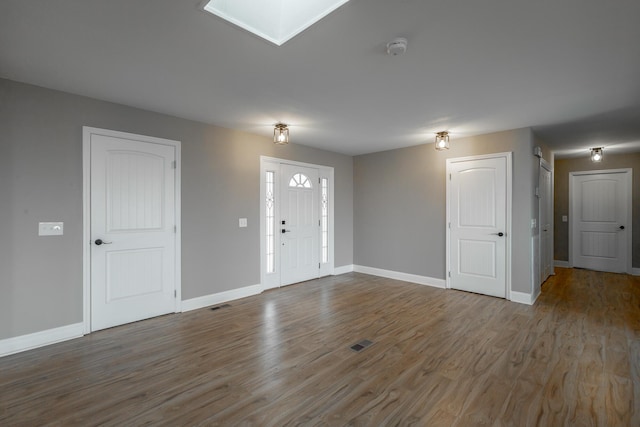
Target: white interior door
(299,224)
(133,225)
(477,202)
(545,226)
(600,220)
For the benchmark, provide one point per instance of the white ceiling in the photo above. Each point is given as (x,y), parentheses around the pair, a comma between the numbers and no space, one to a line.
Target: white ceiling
(568,68)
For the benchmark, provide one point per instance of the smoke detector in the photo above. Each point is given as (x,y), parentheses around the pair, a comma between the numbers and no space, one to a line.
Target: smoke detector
(397,46)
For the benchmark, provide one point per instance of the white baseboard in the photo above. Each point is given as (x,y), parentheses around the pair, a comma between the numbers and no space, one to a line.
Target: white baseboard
(635,271)
(221,297)
(343,269)
(40,339)
(522,298)
(406,277)
(535,297)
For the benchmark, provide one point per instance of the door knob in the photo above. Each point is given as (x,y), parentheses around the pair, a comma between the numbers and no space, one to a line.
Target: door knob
(101,242)
(500,234)
(285,231)
(622,227)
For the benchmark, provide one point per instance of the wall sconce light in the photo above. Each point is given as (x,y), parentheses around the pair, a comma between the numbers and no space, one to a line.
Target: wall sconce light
(442,141)
(281,134)
(596,154)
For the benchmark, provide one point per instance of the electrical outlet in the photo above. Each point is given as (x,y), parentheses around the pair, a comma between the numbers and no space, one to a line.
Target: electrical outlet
(242,222)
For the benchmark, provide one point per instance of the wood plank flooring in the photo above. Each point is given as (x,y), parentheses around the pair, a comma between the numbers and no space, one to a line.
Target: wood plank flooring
(439,358)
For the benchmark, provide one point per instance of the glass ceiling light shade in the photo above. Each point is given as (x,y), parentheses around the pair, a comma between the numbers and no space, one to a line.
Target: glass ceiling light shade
(274,20)
(281,134)
(596,154)
(442,141)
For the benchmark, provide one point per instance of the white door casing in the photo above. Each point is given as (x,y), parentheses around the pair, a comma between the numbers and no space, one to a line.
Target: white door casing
(131,228)
(545,216)
(299,224)
(600,220)
(285,262)
(478,217)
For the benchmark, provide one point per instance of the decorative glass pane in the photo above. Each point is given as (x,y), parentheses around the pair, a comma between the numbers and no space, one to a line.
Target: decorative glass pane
(270,219)
(324,182)
(299,180)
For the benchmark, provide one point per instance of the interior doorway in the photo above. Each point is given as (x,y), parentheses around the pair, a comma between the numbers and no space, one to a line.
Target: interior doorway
(131,227)
(479,224)
(600,220)
(545,219)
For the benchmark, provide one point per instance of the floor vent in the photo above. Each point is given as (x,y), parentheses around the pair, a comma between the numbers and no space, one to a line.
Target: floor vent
(361,345)
(218,307)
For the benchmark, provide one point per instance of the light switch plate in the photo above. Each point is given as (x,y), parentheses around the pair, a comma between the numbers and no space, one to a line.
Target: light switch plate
(242,222)
(50,228)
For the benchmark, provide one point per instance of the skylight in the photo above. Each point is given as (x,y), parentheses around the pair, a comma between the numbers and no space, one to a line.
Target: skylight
(274,20)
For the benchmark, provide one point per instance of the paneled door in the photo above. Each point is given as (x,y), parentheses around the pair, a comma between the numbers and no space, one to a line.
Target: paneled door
(299,224)
(133,225)
(600,219)
(477,215)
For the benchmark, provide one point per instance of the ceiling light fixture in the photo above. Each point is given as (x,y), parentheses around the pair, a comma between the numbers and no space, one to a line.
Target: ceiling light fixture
(442,141)
(596,154)
(281,134)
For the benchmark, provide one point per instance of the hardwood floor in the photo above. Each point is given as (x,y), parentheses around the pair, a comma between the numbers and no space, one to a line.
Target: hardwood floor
(439,358)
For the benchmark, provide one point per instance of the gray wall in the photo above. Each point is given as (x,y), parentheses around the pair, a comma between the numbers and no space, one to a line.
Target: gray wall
(41,180)
(561,197)
(400,205)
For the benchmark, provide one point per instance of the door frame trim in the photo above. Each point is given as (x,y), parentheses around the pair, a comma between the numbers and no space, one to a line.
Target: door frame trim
(628,173)
(86,214)
(546,166)
(324,171)
(508,156)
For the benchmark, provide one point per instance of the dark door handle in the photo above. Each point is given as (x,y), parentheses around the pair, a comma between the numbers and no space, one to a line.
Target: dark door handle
(101,242)
(622,227)
(285,231)
(500,234)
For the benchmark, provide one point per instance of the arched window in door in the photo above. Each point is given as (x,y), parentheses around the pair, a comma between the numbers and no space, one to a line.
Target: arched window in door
(300,180)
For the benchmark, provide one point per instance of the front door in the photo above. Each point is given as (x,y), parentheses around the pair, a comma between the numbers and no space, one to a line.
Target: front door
(600,208)
(133,225)
(477,200)
(299,224)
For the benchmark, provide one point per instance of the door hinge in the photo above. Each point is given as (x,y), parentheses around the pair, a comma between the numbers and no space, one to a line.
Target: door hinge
(449,274)
(175,293)
(175,228)
(173,165)
(449,225)
(318,265)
